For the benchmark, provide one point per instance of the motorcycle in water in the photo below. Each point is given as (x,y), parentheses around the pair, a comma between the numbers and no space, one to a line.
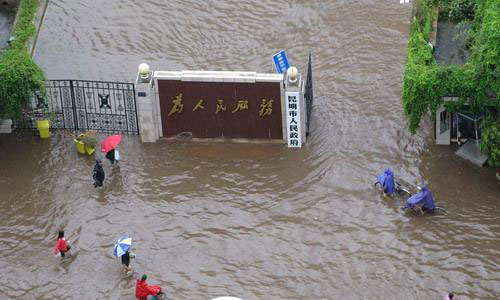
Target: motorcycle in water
(421,202)
(386,183)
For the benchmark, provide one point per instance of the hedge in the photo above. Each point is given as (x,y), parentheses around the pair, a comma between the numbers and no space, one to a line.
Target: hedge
(476,84)
(19,75)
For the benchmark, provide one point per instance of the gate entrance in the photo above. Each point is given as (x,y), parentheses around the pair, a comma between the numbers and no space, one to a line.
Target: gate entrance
(84,105)
(225,104)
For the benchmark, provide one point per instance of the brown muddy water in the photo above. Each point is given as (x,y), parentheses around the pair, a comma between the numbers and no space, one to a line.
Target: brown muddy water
(253,221)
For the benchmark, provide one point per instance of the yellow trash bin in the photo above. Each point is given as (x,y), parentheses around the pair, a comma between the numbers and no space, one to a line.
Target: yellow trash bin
(83,146)
(43,127)
(80,146)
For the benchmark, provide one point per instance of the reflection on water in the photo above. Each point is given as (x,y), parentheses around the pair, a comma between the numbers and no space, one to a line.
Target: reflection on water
(255,221)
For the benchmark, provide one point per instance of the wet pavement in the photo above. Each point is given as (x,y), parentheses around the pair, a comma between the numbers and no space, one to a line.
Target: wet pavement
(450,43)
(253,221)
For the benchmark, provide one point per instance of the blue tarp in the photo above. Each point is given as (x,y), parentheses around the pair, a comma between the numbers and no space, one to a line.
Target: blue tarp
(424,198)
(386,179)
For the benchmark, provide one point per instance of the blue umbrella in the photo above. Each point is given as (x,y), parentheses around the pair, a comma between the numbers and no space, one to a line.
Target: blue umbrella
(122,245)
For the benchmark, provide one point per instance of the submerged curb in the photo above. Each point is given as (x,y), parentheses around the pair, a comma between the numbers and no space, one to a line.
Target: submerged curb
(40,15)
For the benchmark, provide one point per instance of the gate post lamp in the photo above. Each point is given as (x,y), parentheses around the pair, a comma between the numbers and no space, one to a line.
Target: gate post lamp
(144,72)
(292,75)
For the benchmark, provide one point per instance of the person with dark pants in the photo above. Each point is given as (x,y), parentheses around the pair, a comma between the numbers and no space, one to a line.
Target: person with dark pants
(61,246)
(111,156)
(98,174)
(126,260)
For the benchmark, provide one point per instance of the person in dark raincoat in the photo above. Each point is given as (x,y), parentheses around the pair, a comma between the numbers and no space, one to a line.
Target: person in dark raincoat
(98,173)
(143,290)
(61,246)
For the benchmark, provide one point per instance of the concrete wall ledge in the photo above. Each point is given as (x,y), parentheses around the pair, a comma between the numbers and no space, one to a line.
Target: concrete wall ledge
(6,126)
(218,76)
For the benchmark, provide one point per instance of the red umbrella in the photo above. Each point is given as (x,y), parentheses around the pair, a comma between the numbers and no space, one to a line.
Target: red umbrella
(111,142)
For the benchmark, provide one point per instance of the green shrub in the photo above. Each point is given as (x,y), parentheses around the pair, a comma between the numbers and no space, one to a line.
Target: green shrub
(490,140)
(456,10)
(423,16)
(477,83)
(19,75)
(485,53)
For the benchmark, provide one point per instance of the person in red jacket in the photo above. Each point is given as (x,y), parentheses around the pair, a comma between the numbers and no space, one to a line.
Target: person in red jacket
(143,290)
(61,246)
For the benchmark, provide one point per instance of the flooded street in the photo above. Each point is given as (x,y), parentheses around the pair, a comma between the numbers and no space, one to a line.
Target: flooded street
(252,221)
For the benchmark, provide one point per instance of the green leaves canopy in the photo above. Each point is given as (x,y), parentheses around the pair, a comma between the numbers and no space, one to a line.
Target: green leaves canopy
(19,75)
(476,84)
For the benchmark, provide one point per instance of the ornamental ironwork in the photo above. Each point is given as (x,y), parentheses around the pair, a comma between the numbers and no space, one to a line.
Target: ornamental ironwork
(308,95)
(84,105)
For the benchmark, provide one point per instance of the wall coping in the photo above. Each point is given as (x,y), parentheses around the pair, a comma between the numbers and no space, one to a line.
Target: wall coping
(218,76)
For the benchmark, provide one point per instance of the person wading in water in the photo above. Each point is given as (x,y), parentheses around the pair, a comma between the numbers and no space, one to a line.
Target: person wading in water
(143,290)
(61,246)
(98,173)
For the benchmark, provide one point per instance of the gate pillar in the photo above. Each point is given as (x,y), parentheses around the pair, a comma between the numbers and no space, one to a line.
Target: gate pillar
(147,113)
(295,119)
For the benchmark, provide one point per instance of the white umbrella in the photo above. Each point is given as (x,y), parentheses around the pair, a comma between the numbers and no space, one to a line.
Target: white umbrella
(122,245)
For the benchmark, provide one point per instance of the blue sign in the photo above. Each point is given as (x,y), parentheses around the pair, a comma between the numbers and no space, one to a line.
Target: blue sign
(281,62)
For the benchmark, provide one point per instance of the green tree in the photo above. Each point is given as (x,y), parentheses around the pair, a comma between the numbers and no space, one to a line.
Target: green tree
(476,84)
(19,75)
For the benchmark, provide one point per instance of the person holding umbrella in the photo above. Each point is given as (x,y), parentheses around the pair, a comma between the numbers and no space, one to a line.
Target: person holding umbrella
(109,147)
(121,249)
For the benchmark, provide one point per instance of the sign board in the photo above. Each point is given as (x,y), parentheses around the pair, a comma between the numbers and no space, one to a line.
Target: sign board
(293,119)
(281,62)
(210,109)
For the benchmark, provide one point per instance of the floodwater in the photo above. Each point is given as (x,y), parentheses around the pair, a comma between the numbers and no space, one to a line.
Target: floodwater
(253,221)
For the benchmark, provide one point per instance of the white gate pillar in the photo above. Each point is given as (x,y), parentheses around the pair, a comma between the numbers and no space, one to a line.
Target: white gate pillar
(295,120)
(146,106)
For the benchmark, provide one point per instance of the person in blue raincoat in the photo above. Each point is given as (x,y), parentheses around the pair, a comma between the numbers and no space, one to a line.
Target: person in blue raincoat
(386,179)
(421,201)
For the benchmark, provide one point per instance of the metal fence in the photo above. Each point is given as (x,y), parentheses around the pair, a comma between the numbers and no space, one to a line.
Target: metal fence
(308,95)
(84,105)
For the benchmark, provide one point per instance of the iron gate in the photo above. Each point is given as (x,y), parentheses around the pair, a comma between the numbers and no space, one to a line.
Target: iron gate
(308,95)
(84,105)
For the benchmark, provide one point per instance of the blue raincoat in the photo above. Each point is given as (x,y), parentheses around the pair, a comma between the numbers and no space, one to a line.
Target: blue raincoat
(386,179)
(424,198)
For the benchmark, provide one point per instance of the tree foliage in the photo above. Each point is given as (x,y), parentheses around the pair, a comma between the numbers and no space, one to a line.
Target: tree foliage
(490,140)
(476,84)
(456,10)
(19,75)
